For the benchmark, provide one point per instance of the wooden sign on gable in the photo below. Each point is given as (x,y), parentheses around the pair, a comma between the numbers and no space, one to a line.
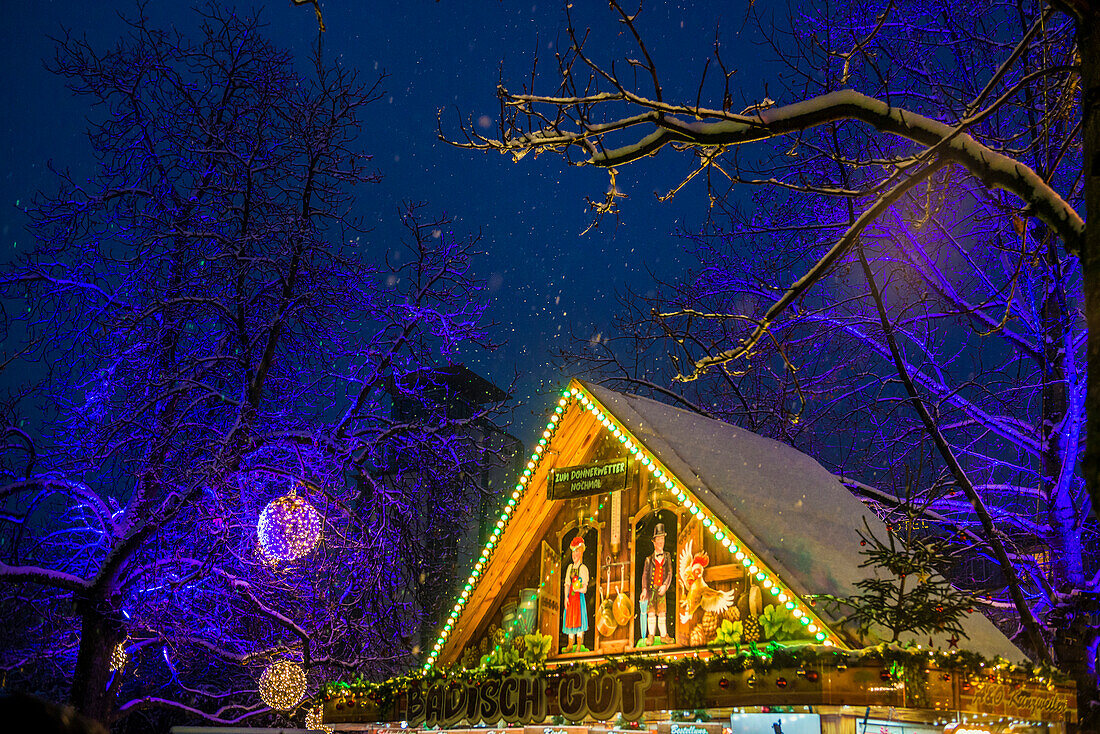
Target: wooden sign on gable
(602,477)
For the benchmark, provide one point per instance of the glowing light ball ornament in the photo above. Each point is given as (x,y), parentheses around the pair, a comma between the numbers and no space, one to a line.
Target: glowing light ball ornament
(314,723)
(289,528)
(282,685)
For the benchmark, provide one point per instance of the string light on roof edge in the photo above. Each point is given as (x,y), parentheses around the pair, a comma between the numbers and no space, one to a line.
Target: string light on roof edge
(661,473)
(282,685)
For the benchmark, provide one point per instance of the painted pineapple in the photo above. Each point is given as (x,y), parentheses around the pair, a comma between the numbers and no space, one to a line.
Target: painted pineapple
(709,625)
(696,592)
(698,637)
(751,627)
(732,613)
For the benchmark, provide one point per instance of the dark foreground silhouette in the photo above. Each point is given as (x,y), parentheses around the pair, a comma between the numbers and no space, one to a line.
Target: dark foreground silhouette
(21,714)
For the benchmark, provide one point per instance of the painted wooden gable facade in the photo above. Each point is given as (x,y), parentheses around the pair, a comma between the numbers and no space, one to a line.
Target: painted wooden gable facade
(604,549)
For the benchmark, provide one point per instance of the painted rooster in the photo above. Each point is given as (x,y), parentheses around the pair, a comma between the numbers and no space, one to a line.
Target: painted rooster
(697,593)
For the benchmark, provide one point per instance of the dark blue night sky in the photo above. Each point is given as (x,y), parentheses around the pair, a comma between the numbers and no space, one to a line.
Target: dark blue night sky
(546,279)
(932,354)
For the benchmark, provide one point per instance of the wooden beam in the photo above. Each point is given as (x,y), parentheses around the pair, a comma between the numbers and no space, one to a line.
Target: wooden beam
(725,572)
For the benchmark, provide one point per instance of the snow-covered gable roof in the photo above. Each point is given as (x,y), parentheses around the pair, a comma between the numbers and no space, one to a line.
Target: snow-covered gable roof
(793,514)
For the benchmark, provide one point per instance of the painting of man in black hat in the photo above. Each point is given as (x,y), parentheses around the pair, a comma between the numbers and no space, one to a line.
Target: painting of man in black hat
(655,542)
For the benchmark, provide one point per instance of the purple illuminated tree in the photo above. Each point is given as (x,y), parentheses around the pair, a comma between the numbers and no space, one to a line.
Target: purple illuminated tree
(199,335)
(986,313)
(912,282)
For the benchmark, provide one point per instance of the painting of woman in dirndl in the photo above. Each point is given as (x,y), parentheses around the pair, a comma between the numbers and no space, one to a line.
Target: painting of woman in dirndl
(575,596)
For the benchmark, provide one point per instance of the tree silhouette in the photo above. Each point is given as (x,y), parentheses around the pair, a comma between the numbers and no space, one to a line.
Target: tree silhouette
(204,336)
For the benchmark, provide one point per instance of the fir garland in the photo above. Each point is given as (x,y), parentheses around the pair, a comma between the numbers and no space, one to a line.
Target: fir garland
(903,663)
(690,677)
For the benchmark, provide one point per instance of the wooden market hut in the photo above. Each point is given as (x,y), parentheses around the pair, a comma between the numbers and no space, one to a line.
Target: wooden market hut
(656,569)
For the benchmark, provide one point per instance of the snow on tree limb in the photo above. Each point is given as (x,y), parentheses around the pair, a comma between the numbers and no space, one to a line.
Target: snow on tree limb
(43,577)
(64,487)
(712,127)
(218,717)
(244,588)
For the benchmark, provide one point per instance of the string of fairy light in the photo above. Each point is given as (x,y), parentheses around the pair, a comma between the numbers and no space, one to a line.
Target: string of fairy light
(754,567)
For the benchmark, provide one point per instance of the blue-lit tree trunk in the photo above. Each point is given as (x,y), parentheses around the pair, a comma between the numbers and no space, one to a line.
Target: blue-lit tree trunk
(101,631)
(211,329)
(1077,641)
(1088,42)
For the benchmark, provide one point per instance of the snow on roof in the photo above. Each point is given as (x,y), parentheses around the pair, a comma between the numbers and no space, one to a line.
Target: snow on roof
(793,514)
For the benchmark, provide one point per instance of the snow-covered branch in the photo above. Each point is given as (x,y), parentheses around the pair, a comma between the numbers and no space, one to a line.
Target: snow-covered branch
(43,577)
(245,589)
(719,128)
(221,716)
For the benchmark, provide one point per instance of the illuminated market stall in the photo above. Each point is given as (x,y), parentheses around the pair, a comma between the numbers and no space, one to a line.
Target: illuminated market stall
(660,571)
